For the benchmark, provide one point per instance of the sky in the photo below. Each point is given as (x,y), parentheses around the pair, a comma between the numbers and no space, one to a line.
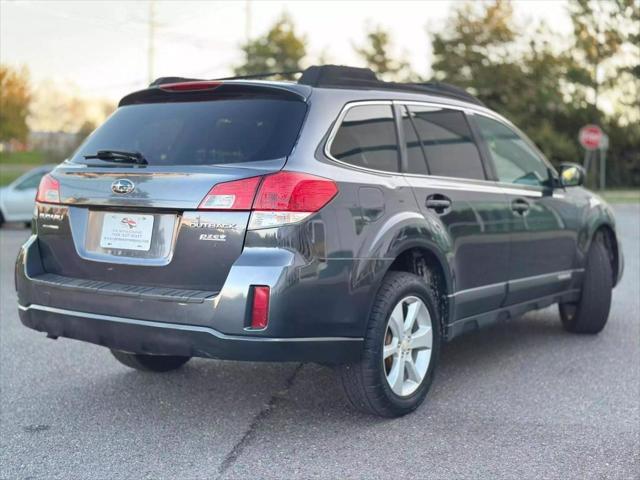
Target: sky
(100,48)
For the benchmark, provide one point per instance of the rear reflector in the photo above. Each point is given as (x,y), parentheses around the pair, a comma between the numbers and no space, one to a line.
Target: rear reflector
(48,190)
(260,307)
(236,195)
(189,86)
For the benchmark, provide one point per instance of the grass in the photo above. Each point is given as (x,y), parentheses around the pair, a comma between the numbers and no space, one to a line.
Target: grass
(621,195)
(22,158)
(14,164)
(8,173)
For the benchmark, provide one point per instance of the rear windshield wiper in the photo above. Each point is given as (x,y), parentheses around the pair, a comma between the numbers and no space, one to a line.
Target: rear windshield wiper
(118,156)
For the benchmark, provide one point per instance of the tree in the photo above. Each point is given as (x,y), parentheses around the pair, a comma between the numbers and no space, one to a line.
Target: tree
(376,54)
(58,108)
(281,49)
(548,92)
(599,35)
(15,98)
(474,49)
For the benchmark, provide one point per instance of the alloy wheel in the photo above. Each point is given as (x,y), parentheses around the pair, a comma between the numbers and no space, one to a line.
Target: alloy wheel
(407,346)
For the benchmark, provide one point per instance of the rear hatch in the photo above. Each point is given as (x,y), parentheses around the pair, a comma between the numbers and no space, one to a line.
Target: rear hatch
(171,221)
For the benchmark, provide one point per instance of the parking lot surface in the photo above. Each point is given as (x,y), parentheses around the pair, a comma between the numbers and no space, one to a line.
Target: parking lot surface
(522,399)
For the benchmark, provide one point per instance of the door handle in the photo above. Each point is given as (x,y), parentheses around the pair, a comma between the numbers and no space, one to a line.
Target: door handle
(438,203)
(520,206)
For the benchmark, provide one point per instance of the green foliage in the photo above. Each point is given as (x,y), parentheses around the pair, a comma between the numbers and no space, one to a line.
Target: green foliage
(15,97)
(22,158)
(549,93)
(376,55)
(281,49)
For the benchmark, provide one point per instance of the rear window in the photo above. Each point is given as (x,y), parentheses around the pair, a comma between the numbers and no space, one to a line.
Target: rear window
(447,143)
(367,138)
(201,133)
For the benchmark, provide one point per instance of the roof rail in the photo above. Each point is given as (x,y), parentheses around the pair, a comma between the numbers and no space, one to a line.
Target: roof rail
(338,76)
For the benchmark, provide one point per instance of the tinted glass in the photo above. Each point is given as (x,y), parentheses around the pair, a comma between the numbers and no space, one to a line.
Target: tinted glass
(514,159)
(447,142)
(201,133)
(31,182)
(367,138)
(415,156)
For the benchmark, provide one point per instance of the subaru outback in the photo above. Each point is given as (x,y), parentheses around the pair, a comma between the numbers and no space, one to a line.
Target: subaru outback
(338,219)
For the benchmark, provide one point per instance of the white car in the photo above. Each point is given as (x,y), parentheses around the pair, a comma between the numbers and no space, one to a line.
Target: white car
(18,198)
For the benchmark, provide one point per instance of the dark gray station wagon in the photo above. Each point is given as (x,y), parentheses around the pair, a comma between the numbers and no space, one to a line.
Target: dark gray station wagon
(340,220)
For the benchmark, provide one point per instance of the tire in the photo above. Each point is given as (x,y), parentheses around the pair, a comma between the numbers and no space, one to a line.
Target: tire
(590,313)
(368,383)
(150,363)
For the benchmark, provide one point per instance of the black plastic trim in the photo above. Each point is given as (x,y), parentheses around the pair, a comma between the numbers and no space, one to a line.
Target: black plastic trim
(159,338)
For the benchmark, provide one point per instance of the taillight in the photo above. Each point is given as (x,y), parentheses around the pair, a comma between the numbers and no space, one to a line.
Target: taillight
(48,190)
(260,307)
(189,86)
(289,197)
(235,195)
(281,198)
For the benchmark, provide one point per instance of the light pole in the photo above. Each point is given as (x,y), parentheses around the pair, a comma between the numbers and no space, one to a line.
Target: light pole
(151,41)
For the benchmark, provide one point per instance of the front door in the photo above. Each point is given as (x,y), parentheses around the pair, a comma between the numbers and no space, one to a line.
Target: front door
(543,224)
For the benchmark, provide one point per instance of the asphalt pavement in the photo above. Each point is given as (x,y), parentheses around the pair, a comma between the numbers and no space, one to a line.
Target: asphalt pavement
(523,399)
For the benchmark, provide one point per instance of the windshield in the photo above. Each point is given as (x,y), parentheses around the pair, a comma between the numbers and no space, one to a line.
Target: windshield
(201,133)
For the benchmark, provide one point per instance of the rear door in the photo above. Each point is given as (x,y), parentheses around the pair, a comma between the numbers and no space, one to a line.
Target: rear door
(449,180)
(179,221)
(544,225)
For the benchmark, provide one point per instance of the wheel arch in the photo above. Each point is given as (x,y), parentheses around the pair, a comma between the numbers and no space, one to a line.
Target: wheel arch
(426,262)
(605,233)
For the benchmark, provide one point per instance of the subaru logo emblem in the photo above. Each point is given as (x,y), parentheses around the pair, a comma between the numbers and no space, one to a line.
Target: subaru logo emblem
(122,186)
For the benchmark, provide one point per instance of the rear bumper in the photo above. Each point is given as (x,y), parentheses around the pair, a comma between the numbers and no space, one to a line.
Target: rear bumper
(160,338)
(195,323)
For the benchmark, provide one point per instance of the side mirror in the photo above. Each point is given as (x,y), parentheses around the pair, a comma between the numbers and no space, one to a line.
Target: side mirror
(572,175)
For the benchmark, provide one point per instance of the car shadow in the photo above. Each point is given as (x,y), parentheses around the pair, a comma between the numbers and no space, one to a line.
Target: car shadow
(221,391)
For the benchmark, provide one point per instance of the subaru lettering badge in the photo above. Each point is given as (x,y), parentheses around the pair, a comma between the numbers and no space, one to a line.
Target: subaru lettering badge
(122,186)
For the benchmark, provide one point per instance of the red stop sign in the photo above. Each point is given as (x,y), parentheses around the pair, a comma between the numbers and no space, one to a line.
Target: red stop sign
(590,136)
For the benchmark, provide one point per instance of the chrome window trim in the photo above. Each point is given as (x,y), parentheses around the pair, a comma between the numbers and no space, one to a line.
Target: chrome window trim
(488,186)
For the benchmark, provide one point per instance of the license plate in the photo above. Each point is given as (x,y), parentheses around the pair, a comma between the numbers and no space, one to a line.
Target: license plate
(126,232)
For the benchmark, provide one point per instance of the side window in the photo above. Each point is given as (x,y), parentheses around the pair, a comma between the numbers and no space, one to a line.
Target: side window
(514,159)
(31,182)
(367,138)
(447,142)
(415,156)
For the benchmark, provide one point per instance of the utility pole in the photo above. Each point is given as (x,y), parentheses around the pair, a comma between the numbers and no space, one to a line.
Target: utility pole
(247,20)
(151,41)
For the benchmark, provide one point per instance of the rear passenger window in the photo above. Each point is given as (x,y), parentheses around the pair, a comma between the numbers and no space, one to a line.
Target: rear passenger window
(367,138)
(415,156)
(447,142)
